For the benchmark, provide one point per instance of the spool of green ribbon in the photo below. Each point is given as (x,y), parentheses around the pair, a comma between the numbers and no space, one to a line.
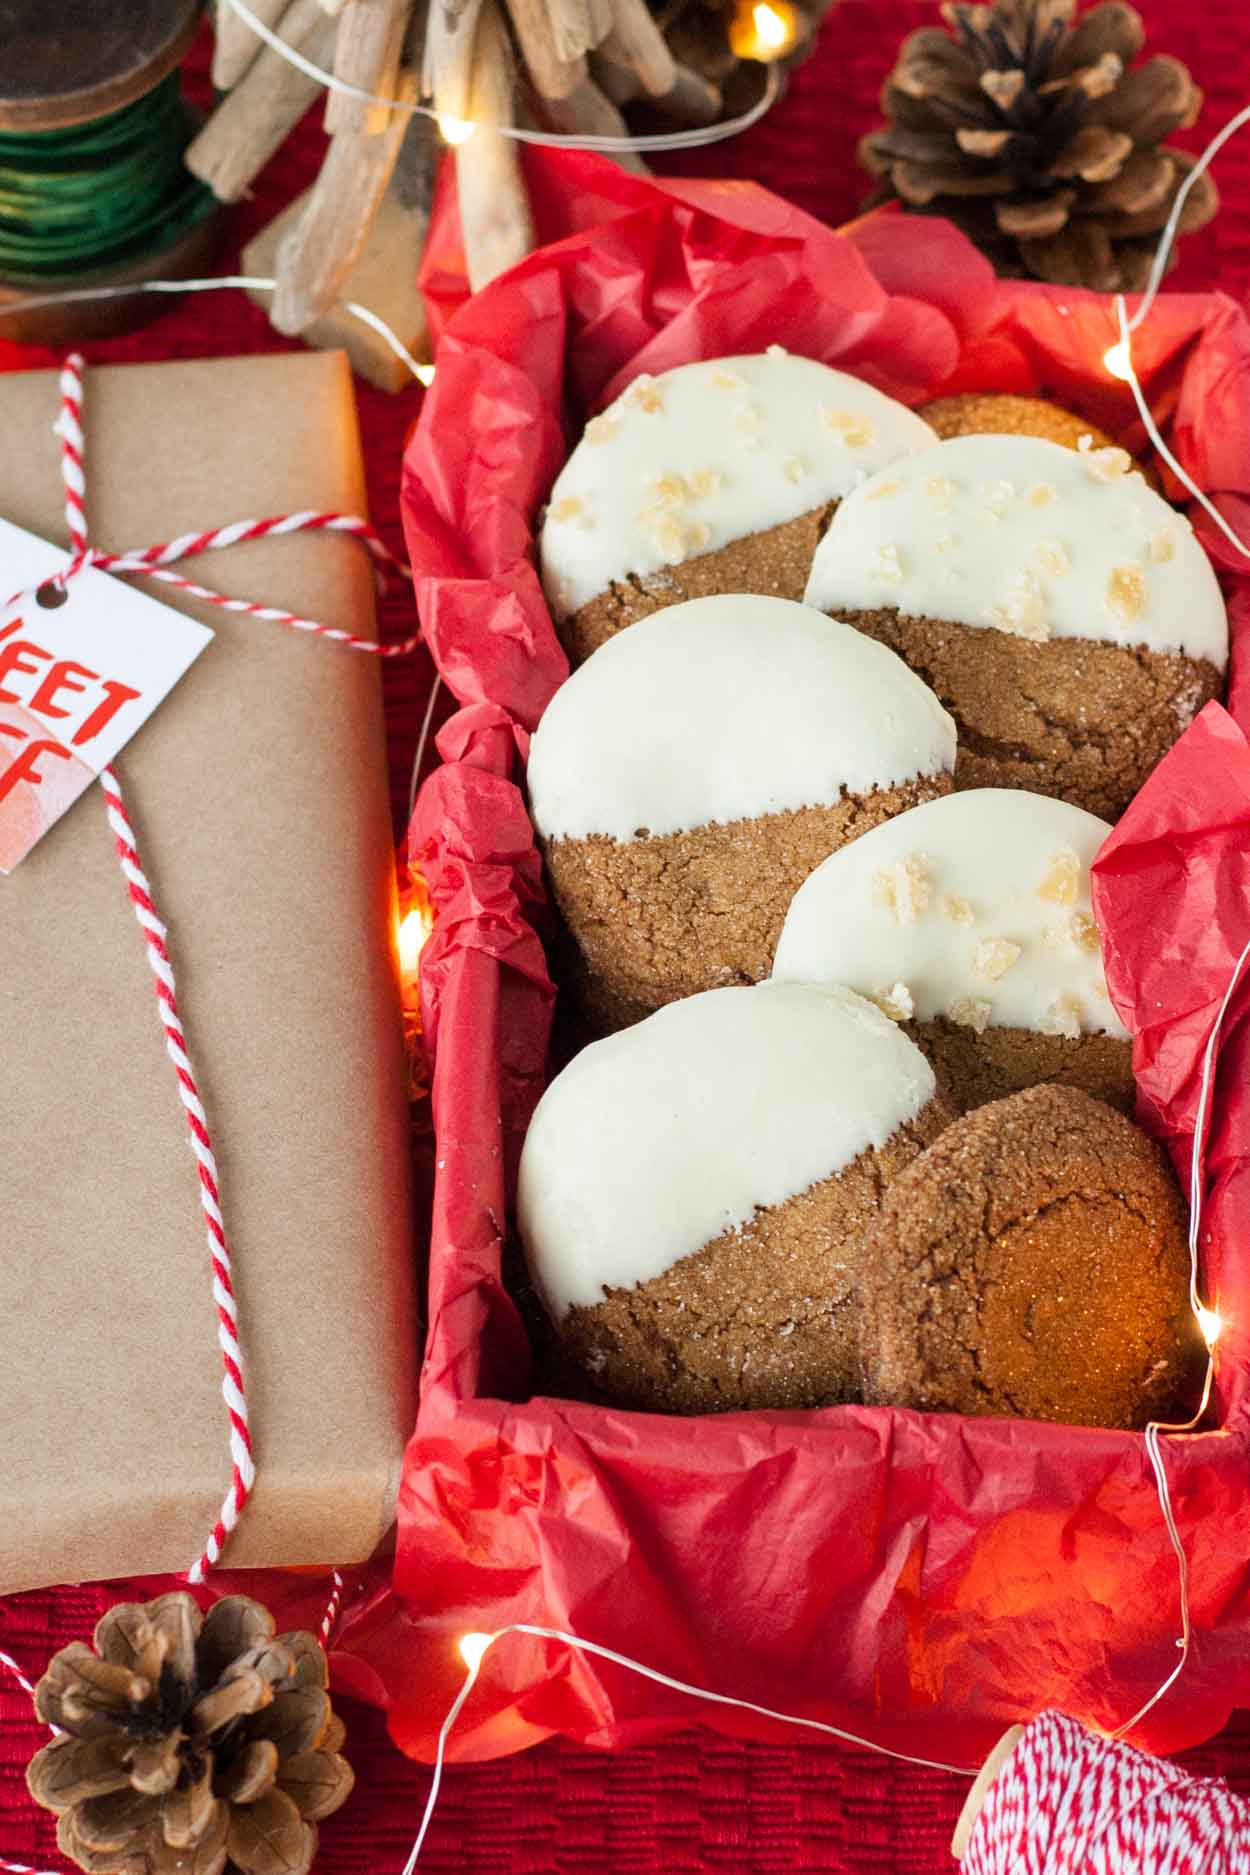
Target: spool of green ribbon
(73,201)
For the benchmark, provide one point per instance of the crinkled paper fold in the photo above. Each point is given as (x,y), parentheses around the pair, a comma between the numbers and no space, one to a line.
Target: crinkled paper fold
(923,1580)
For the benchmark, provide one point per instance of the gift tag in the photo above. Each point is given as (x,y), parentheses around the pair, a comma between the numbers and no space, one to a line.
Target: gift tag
(81,670)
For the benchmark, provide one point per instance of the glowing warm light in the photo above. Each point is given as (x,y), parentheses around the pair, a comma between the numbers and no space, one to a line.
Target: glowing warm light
(455,129)
(1118,361)
(1211,1325)
(770,26)
(763,31)
(426,374)
(414,929)
(473,1649)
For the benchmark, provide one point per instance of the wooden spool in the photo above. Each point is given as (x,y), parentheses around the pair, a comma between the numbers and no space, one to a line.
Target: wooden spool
(68,62)
(975,1799)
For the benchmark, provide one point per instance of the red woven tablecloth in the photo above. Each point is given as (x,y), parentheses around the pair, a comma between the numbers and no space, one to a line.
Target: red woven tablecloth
(699,1803)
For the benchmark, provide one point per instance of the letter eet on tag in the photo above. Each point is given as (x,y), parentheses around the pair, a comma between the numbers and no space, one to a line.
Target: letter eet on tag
(77,680)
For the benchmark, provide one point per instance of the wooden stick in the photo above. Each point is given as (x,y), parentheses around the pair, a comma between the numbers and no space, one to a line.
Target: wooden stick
(269,100)
(587,112)
(553,76)
(701,41)
(636,42)
(573,26)
(448,66)
(385,275)
(692,100)
(315,258)
(495,214)
(416,169)
(601,20)
(366,54)
(235,45)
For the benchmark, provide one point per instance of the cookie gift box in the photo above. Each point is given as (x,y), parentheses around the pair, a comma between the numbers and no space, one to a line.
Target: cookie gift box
(922,1580)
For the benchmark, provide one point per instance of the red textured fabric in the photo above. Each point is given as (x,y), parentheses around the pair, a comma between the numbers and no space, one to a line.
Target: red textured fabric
(704,1803)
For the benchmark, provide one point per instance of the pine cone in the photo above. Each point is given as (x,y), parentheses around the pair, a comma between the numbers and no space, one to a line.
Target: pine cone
(1037,139)
(189,1740)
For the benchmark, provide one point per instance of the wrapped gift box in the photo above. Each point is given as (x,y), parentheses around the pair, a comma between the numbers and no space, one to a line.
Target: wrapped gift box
(920,1580)
(258,793)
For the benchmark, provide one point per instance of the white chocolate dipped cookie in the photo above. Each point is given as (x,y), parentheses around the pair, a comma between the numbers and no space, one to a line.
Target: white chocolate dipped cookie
(693,1193)
(714,477)
(968,920)
(687,779)
(1066,615)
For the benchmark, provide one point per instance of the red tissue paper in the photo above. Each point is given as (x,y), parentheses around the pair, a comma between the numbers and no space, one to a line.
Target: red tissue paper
(920,1580)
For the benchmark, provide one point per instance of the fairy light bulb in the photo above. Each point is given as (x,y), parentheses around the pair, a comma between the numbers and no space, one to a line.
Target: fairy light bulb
(1117,359)
(763,31)
(455,130)
(473,1649)
(1211,1324)
(414,929)
(774,31)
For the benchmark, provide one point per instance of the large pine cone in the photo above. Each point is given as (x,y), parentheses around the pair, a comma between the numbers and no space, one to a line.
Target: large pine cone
(1035,137)
(189,1740)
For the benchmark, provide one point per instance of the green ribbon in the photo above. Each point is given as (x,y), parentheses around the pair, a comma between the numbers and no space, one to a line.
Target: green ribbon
(72,201)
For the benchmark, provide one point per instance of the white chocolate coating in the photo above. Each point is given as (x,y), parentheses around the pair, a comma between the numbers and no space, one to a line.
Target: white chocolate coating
(975,906)
(724,709)
(652,1143)
(684,463)
(1016,534)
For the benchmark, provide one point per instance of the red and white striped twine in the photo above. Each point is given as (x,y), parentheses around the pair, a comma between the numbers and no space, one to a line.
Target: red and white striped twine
(153,562)
(1067,1802)
(333,1608)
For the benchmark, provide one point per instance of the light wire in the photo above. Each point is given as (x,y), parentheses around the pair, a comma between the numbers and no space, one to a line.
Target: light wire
(257,282)
(474,1667)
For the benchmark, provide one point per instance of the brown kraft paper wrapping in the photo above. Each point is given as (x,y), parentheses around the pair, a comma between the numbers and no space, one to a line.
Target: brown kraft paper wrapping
(258,795)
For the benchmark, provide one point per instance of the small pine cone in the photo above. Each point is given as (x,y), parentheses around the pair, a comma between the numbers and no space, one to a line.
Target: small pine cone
(189,1741)
(1034,135)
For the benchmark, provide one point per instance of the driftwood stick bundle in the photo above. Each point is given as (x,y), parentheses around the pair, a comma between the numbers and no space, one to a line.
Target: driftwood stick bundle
(358,233)
(315,258)
(235,45)
(269,100)
(366,54)
(495,214)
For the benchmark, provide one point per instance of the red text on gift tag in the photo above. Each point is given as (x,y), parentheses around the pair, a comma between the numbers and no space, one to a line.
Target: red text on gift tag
(81,669)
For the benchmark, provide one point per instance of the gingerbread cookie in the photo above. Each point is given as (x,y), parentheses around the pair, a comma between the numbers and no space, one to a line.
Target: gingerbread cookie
(1064,613)
(686,780)
(694,1194)
(996,413)
(714,477)
(968,920)
(1033,1261)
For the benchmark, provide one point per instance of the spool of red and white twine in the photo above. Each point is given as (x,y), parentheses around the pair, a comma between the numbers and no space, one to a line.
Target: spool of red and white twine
(1066,1802)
